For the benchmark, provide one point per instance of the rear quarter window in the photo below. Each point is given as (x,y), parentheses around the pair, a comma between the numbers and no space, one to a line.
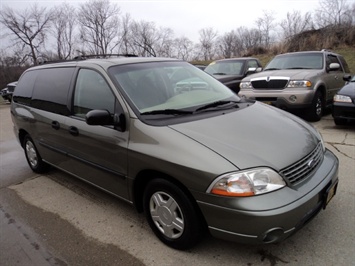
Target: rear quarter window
(24,88)
(345,65)
(51,90)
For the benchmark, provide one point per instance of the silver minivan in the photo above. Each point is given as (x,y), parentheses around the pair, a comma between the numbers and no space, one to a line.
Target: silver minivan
(177,144)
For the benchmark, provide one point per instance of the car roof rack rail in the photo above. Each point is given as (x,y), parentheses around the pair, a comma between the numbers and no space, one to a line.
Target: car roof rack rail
(103,56)
(84,57)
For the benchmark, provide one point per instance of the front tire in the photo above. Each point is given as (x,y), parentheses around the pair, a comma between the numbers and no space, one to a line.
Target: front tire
(33,158)
(316,111)
(171,214)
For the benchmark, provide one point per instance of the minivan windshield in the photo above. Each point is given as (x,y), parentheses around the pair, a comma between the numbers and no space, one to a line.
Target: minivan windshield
(296,61)
(171,87)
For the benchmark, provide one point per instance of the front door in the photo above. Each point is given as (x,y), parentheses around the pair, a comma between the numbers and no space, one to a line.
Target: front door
(334,78)
(98,153)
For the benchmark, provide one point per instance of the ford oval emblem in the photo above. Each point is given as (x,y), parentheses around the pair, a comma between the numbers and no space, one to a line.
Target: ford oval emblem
(311,163)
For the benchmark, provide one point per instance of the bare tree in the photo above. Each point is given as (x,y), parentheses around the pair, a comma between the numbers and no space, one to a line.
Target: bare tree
(247,38)
(184,48)
(144,38)
(332,12)
(265,25)
(165,42)
(207,43)
(28,28)
(125,43)
(63,30)
(295,23)
(99,25)
(228,44)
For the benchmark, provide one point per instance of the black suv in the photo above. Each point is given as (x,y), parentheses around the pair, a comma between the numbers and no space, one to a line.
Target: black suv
(231,71)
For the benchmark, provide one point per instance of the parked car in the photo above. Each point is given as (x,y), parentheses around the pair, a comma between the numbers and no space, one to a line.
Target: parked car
(7,92)
(189,153)
(301,81)
(344,102)
(231,71)
(202,67)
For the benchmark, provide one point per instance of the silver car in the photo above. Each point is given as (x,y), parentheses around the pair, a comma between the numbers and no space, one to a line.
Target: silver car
(177,144)
(300,81)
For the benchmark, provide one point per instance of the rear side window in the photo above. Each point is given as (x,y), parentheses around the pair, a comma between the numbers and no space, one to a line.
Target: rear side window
(253,63)
(51,90)
(24,88)
(345,65)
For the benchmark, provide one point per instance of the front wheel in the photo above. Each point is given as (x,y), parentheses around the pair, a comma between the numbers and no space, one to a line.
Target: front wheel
(171,214)
(315,112)
(34,159)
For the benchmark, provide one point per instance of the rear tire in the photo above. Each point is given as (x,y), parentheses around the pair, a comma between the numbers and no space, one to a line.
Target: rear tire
(34,159)
(171,215)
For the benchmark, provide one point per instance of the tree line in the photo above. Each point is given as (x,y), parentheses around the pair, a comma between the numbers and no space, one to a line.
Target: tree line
(98,27)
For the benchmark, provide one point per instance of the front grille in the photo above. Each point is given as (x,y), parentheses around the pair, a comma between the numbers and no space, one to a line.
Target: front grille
(302,169)
(271,84)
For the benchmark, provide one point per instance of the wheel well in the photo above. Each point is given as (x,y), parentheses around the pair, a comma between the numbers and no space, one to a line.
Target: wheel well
(22,134)
(144,177)
(321,89)
(141,181)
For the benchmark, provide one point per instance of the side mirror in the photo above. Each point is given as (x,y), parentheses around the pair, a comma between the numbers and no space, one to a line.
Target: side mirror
(347,78)
(104,118)
(252,70)
(334,66)
(120,122)
(99,118)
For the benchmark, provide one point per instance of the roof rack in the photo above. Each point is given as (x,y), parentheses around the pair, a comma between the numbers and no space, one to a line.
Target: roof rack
(84,57)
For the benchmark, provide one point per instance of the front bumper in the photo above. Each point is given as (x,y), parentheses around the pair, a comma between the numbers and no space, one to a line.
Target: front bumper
(288,99)
(344,110)
(253,222)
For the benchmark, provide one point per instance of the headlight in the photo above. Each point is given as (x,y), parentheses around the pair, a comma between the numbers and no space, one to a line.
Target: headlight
(342,99)
(299,84)
(245,85)
(247,183)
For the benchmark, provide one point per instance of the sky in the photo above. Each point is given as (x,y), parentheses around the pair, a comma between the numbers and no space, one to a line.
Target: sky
(188,17)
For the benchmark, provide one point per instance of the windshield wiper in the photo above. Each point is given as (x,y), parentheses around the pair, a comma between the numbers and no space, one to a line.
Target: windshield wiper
(272,68)
(167,112)
(215,104)
(219,73)
(298,68)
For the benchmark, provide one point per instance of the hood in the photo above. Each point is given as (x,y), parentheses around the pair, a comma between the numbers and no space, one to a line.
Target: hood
(288,73)
(227,78)
(348,90)
(258,135)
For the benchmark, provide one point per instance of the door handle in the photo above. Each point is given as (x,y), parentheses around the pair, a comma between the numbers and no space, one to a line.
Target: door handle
(73,131)
(55,125)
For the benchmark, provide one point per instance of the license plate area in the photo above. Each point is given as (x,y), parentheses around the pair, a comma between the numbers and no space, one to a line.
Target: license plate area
(329,194)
